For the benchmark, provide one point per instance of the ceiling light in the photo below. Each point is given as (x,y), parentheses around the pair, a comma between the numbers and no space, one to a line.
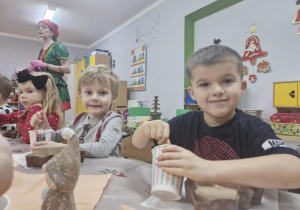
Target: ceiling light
(49,13)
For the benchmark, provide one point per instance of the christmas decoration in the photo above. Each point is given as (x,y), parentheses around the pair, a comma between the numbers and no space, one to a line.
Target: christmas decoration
(252,78)
(245,72)
(297,17)
(217,41)
(263,66)
(252,28)
(252,50)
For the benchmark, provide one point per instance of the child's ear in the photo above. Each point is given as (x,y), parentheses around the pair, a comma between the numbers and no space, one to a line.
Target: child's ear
(243,87)
(115,97)
(191,92)
(79,93)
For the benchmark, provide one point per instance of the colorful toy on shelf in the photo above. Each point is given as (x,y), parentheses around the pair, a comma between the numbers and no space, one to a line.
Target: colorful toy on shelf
(286,118)
(155,115)
(286,128)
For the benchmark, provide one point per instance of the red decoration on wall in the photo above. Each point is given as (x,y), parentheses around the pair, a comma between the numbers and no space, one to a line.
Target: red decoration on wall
(263,66)
(297,17)
(252,78)
(252,50)
(245,68)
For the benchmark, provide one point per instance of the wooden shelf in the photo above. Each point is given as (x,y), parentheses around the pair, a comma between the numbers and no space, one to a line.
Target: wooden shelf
(15,96)
(191,107)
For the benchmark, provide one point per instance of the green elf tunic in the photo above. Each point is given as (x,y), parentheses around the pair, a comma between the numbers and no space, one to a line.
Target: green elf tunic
(53,55)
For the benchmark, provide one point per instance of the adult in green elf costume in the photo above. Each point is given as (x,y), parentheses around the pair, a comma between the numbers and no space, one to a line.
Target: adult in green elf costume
(54,59)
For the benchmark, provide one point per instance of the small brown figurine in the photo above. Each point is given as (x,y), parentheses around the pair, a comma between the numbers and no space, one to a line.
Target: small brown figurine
(62,173)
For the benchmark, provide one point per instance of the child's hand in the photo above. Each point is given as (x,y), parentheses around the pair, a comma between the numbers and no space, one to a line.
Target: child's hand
(158,130)
(179,161)
(45,144)
(39,120)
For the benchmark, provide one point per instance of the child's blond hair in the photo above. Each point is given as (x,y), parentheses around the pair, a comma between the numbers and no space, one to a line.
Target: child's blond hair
(5,87)
(101,74)
(51,101)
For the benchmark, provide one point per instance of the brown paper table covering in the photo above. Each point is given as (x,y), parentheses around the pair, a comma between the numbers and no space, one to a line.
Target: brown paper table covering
(26,189)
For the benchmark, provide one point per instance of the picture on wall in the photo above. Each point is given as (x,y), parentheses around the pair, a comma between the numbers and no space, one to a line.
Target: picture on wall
(138,69)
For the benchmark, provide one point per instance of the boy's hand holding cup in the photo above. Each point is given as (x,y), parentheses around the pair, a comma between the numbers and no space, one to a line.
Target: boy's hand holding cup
(164,186)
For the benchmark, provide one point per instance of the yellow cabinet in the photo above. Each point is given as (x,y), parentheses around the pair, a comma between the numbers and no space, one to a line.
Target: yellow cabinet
(286,94)
(80,66)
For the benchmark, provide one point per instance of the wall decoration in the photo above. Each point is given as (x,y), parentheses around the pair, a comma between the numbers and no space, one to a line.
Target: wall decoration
(217,41)
(245,72)
(252,50)
(263,66)
(138,69)
(252,78)
(252,28)
(297,17)
(146,38)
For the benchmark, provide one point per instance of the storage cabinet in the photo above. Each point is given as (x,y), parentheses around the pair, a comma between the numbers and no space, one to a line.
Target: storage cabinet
(80,66)
(100,59)
(286,94)
(122,96)
(287,100)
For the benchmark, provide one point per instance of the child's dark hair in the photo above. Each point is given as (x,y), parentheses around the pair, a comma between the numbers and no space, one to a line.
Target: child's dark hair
(212,55)
(5,87)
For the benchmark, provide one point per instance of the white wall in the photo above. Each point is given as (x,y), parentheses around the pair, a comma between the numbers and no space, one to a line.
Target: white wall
(15,52)
(277,35)
(165,55)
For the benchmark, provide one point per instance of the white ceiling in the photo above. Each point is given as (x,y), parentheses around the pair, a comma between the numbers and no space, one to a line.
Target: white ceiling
(81,23)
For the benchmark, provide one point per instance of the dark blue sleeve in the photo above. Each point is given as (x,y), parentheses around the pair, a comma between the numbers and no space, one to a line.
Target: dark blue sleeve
(265,142)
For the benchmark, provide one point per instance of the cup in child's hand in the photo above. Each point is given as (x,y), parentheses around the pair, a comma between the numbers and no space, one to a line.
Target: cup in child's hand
(164,186)
(39,135)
